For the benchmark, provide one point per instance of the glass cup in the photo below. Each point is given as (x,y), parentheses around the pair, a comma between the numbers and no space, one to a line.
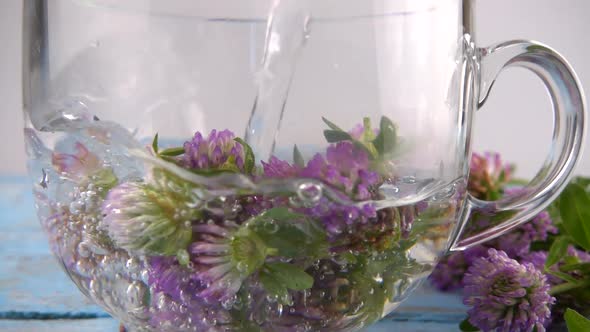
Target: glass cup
(292,165)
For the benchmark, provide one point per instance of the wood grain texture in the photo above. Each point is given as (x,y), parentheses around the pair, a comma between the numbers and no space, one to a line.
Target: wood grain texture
(35,295)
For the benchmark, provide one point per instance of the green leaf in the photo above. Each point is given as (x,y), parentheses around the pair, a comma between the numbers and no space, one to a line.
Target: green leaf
(273,287)
(561,275)
(172,152)
(557,251)
(576,322)
(230,165)
(335,136)
(574,206)
(104,178)
(277,278)
(331,124)
(368,134)
(373,295)
(292,276)
(584,268)
(386,141)
(249,159)
(582,181)
(298,157)
(155,144)
(466,326)
(291,234)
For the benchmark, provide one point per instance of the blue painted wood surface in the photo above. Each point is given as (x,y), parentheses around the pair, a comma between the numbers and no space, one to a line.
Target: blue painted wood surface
(35,295)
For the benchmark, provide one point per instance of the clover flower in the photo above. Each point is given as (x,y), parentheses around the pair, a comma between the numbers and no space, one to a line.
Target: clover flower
(218,150)
(277,168)
(517,243)
(505,295)
(223,257)
(345,167)
(78,165)
(147,219)
(488,174)
(449,272)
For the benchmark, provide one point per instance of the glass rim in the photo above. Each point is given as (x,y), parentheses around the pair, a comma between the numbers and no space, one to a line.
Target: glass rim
(256,11)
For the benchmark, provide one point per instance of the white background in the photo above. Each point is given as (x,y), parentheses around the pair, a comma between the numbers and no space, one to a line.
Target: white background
(516,120)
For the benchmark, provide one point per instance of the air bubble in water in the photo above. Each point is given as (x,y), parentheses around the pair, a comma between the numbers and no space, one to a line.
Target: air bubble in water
(242,267)
(133,265)
(310,193)
(444,193)
(84,268)
(271,227)
(137,293)
(84,249)
(44,179)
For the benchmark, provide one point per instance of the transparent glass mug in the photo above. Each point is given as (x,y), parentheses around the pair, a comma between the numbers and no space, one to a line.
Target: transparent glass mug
(329,170)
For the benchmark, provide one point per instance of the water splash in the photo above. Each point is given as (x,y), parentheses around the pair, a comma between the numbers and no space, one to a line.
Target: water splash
(286,34)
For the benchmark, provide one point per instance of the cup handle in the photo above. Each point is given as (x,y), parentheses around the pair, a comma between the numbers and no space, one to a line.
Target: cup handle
(568,133)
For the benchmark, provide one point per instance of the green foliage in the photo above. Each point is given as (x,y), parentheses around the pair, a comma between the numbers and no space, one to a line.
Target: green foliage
(172,152)
(386,141)
(298,157)
(574,207)
(291,234)
(249,159)
(466,326)
(576,322)
(155,144)
(380,148)
(278,278)
(557,251)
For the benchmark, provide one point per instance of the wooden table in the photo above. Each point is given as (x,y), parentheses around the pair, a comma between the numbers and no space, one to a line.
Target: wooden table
(35,295)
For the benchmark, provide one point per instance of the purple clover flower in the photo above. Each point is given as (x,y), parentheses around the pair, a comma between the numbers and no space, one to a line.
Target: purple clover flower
(449,272)
(221,258)
(517,243)
(212,254)
(345,167)
(488,174)
(215,151)
(78,165)
(581,255)
(537,259)
(175,295)
(277,168)
(507,296)
(340,218)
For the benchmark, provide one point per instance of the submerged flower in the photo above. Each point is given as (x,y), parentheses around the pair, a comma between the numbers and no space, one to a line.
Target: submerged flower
(345,167)
(173,291)
(277,168)
(339,218)
(505,295)
(148,218)
(218,150)
(78,165)
(488,175)
(223,257)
